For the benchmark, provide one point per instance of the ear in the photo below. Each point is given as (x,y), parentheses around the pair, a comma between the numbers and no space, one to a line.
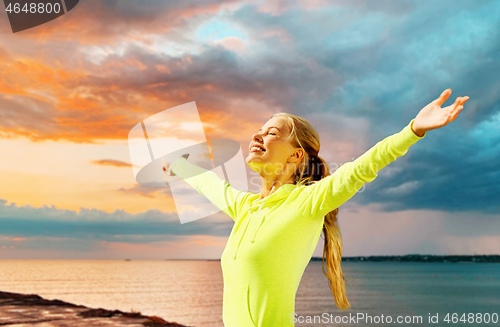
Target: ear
(296,156)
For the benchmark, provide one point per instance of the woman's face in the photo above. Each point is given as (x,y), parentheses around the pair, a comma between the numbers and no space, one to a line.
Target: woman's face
(270,148)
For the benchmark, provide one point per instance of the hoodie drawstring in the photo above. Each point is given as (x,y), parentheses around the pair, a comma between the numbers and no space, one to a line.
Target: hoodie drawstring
(241,239)
(262,221)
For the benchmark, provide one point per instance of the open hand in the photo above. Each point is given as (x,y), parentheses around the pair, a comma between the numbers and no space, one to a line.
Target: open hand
(166,165)
(166,168)
(433,116)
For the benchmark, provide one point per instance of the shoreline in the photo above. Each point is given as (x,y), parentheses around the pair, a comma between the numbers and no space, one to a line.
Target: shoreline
(19,309)
(490,258)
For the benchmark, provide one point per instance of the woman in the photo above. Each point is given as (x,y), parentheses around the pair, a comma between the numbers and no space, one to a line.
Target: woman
(276,231)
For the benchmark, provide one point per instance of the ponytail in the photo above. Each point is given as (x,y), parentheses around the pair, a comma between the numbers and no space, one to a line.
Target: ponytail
(313,169)
(332,250)
(332,253)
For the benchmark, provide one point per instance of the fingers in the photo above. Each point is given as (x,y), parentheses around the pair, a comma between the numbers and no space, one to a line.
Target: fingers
(460,102)
(443,97)
(457,107)
(454,114)
(166,167)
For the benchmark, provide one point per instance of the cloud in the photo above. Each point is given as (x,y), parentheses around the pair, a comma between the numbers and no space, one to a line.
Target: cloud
(368,230)
(146,191)
(111,162)
(50,233)
(462,177)
(118,226)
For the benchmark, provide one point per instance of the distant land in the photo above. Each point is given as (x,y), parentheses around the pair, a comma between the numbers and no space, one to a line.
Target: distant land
(493,258)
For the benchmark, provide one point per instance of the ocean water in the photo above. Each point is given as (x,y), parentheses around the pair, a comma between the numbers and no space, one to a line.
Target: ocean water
(190,292)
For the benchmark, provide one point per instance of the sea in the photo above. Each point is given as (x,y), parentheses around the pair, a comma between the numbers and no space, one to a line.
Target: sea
(189,292)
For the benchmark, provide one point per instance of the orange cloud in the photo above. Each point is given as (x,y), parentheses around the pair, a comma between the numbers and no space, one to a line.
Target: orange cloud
(72,98)
(111,162)
(11,238)
(145,191)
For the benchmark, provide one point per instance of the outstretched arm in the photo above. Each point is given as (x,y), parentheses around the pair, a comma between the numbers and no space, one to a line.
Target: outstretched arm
(207,183)
(332,191)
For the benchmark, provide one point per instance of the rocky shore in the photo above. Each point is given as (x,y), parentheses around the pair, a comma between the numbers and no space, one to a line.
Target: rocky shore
(18,310)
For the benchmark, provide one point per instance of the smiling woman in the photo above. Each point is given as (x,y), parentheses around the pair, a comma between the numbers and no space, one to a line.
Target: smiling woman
(275,232)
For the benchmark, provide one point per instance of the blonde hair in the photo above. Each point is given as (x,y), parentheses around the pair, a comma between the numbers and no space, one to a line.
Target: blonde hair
(312,169)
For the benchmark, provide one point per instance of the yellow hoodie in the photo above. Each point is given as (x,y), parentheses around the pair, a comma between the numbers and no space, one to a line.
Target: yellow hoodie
(273,239)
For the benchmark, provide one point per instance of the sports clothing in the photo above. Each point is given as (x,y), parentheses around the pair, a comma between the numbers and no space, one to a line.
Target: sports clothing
(273,238)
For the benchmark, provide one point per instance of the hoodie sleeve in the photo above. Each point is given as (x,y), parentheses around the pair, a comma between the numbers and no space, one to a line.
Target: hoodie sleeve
(206,182)
(332,191)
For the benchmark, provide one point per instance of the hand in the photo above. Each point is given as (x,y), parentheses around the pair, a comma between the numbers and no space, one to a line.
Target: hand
(433,116)
(166,166)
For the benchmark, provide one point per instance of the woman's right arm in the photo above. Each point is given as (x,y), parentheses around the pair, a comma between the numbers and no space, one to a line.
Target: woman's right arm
(206,182)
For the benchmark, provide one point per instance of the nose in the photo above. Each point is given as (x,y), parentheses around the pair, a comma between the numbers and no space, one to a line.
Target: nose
(257,137)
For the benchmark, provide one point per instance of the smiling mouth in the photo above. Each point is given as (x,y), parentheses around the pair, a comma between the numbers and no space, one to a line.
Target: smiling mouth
(257,149)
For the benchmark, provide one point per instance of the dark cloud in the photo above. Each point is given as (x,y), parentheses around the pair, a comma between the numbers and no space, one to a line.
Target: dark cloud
(118,226)
(443,180)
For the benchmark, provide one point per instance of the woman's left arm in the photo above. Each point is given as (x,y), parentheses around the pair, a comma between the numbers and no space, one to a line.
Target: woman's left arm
(332,191)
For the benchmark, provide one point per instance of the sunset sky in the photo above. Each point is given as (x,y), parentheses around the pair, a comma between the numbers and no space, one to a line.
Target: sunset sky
(72,89)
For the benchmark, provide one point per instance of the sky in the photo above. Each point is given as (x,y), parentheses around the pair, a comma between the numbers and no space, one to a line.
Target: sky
(72,89)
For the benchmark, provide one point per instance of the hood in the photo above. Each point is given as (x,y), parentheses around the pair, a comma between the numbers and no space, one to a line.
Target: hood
(257,204)
(282,192)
